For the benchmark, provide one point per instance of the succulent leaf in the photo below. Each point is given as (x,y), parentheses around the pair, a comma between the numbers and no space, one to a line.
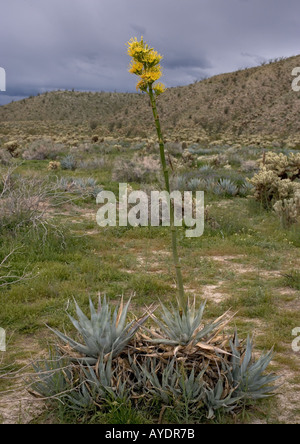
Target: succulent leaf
(104,333)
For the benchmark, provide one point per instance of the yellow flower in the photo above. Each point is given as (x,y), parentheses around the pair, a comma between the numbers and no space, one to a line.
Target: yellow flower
(137,49)
(159,88)
(153,58)
(142,86)
(145,64)
(151,76)
(136,68)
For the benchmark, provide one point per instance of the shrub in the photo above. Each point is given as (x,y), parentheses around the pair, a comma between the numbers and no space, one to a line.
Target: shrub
(23,202)
(276,179)
(83,187)
(249,166)
(53,165)
(285,167)
(139,169)
(5,158)
(95,138)
(13,148)
(43,149)
(93,124)
(288,210)
(68,163)
(174,148)
(94,163)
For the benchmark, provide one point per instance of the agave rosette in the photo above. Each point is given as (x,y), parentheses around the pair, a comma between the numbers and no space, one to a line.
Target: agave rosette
(187,328)
(104,333)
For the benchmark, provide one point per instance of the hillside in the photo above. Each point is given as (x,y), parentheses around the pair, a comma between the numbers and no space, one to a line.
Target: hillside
(254,101)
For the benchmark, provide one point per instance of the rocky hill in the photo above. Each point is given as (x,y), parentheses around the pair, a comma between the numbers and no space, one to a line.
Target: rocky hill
(254,101)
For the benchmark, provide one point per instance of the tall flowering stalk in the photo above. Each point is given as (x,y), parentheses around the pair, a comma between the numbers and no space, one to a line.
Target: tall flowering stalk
(146,65)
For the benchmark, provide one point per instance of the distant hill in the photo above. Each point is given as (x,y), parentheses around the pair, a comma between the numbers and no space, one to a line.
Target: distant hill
(251,101)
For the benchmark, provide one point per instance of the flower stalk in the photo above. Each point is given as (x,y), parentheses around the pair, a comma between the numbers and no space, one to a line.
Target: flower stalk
(145,64)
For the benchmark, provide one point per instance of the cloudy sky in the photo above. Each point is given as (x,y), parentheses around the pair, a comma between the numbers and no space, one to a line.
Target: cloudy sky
(65,44)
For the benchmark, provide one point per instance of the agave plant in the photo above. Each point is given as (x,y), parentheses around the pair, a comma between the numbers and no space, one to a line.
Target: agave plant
(104,333)
(227,187)
(92,386)
(104,381)
(209,184)
(82,398)
(205,169)
(192,387)
(165,387)
(247,375)
(68,163)
(245,189)
(215,400)
(52,376)
(173,384)
(184,328)
(195,184)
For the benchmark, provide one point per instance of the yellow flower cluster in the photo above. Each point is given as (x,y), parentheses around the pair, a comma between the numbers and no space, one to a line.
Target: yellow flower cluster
(145,64)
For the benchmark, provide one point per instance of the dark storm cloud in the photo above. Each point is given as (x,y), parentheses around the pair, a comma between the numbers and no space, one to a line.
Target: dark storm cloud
(186,61)
(54,44)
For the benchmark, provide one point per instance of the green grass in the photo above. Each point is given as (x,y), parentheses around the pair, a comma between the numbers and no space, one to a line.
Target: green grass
(292,279)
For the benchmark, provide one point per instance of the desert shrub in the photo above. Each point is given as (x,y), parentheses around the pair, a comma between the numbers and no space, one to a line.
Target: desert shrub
(83,187)
(23,201)
(235,160)
(93,124)
(285,167)
(95,163)
(277,178)
(136,146)
(53,165)
(68,163)
(174,148)
(288,210)
(43,149)
(249,166)
(188,158)
(196,149)
(26,203)
(95,138)
(13,148)
(219,160)
(5,157)
(139,169)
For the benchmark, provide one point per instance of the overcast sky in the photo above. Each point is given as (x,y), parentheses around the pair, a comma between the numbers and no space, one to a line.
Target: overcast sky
(65,44)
